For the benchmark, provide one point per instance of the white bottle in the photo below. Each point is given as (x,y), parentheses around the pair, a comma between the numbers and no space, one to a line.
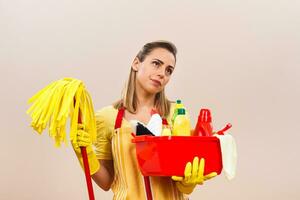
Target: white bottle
(155,123)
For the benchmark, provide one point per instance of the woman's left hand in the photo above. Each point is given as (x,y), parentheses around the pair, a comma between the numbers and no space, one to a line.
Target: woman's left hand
(194,174)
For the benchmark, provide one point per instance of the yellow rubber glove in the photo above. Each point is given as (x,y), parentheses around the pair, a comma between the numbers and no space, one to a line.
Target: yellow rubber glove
(83,139)
(193,175)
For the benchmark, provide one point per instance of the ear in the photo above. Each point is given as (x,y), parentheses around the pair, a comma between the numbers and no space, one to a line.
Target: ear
(135,64)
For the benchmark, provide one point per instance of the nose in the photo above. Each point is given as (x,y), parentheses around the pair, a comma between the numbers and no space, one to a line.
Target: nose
(161,72)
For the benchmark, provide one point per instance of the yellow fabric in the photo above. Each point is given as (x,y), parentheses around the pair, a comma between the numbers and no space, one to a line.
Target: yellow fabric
(116,145)
(53,104)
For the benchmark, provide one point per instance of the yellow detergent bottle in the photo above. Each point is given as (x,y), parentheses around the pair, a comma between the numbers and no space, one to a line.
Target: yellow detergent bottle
(182,124)
(177,106)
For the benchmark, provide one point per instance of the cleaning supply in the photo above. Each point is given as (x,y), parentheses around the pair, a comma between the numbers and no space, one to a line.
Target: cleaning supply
(204,126)
(53,104)
(229,154)
(142,130)
(193,175)
(177,106)
(135,124)
(182,125)
(155,123)
(166,128)
(221,132)
(139,128)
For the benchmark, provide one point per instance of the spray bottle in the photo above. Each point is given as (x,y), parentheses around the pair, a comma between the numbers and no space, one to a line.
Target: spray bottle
(204,127)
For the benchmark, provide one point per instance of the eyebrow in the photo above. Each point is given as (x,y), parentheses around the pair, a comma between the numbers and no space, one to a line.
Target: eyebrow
(161,62)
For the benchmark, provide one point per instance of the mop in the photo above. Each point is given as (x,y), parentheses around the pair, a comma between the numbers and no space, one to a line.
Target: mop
(54,104)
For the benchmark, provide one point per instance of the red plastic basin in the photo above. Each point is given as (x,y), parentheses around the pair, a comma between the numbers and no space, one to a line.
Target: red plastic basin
(168,155)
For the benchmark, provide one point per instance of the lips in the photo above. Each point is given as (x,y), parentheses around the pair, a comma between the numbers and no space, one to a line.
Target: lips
(156,82)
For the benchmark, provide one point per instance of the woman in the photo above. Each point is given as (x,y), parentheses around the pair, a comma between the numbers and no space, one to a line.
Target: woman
(113,164)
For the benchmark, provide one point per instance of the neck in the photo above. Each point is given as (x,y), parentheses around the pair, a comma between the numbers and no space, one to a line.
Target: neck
(145,100)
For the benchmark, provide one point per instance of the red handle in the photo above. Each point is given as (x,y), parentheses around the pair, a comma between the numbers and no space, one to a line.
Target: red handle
(86,165)
(221,132)
(148,187)
(87,173)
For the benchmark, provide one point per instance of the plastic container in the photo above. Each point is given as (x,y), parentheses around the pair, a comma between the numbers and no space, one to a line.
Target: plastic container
(168,155)
(182,125)
(204,126)
(177,106)
(155,123)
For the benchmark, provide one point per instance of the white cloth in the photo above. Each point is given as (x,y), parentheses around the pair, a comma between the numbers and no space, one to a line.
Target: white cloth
(155,124)
(229,154)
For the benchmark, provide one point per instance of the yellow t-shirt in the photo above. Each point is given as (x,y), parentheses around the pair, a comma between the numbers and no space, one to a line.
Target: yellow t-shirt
(116,145)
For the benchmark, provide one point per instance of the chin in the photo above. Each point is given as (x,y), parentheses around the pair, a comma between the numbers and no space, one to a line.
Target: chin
(154,90)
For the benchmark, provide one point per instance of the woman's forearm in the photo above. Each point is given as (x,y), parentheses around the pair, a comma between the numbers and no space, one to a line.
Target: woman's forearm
(105,175)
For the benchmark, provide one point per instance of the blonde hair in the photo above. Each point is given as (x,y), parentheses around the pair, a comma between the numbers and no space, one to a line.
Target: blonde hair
(129,97)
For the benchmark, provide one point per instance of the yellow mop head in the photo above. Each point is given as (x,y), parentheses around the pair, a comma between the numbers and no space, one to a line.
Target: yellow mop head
(55,103)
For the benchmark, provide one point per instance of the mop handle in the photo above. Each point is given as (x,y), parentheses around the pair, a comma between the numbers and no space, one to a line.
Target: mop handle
(87,173)
(148,187)
(87,169)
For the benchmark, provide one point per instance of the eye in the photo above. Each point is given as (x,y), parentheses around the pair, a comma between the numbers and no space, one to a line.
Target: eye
(169,71)
(155,63)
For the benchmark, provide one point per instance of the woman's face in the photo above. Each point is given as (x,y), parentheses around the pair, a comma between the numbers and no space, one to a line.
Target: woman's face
(155,71)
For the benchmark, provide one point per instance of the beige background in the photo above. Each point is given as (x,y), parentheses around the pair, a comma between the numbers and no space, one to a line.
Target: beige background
(239,58)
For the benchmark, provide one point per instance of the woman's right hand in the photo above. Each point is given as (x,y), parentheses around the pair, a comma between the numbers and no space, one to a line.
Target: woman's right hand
(83,139)
(104,177)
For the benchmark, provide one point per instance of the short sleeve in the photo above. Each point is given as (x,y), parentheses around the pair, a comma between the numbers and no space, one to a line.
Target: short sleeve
(104,125)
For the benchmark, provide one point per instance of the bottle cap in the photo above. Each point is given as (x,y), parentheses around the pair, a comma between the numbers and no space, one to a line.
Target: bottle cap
(164,121)
(181,111)
(178,101)
(205,115)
